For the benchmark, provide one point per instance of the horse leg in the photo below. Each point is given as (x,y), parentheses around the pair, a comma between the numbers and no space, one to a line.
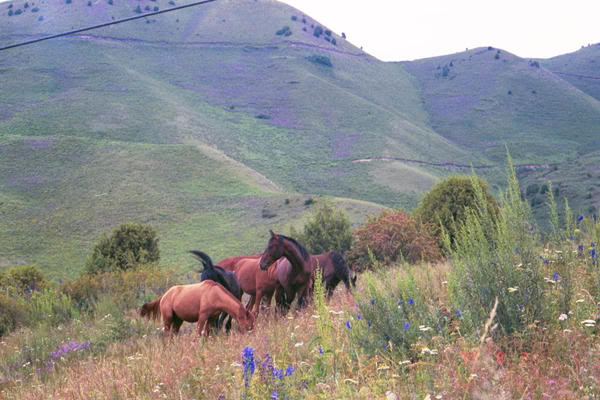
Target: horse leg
(280,300)
(176,324)
(203,323)
(303,292)
(257,301)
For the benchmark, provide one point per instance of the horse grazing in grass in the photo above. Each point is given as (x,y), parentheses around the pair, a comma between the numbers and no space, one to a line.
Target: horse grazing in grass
(200,302)
(295,279)
(219,275)
(334,271)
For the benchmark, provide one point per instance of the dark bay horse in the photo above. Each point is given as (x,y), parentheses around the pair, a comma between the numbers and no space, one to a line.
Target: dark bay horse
(334,271)
(199,302)
(221,276)
(297,279)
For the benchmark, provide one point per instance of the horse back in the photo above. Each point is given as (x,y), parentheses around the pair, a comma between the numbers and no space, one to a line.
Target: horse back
(230,263)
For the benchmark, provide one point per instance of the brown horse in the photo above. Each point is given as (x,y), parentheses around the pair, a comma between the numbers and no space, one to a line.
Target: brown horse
(230,263)
(297,278)
(201,302)
(334,271)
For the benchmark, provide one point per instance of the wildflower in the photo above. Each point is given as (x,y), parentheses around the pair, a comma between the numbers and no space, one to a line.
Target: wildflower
(411,301)
(320,349)
(580,218)
(580,249)
(400,302)
(369,324)
(406,326)
(563,317)
(545,261)
(458,314)
(247,363)
(277,373)
(555,276)
(500,358)
(274,396)
(299,344)
(372,301)
(589,323)
(513,289)
(358,317)
(348,324)
(289,370)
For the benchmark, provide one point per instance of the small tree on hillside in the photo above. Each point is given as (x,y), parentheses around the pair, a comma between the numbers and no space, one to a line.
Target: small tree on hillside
(327,229)
(445,205)
(128,246)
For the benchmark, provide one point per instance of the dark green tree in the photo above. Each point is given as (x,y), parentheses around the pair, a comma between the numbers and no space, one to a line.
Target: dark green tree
(129,246)
(327,229)
(445,205)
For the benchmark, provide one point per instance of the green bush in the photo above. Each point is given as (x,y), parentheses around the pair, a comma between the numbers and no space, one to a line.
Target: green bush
(49,306)
(23,278)
(321,60)
(445,206)
(327,229)
(396,317)
(392,236)
(128,246)
(497,257)
(12,314)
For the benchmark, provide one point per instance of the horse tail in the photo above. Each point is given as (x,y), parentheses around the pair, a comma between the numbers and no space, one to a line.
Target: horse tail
(204,259)
(151,310)
(341,270)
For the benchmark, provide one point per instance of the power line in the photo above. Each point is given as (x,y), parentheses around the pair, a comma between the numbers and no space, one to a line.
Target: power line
(119,21)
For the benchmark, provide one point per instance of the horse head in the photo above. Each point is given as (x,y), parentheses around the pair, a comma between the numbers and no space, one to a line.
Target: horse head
(245,321)
(273,252)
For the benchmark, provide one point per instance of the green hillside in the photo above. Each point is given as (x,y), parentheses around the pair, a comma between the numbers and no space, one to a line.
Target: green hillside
(581,69)
(485,98)
(198,120)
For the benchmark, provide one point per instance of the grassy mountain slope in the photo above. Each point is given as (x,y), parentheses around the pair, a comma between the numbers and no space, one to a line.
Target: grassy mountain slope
(581,69)
(484,98)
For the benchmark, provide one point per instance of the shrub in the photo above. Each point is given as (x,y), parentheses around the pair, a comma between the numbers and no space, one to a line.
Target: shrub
(396,316)
(23,278)
(327,229)
(10,13)
(318,31)
(533,188)
(334,42)
(502,262)
(128,246)
(321,60)
(445,205)
(138,10)
(26,5)
(18,12)
(12,314)
(392,236)
(294,18)
(284,31)
(110,2)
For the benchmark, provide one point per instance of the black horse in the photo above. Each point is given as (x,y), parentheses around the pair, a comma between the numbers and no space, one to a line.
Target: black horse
(226,278)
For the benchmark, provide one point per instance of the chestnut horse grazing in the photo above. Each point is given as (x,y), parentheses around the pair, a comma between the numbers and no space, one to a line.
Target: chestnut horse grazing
(295,279)
(199,302)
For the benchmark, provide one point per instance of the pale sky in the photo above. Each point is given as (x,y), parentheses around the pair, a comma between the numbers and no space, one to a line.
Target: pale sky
(397,30)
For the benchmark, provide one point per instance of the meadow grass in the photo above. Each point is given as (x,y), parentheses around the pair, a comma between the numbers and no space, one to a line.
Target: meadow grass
(318,352)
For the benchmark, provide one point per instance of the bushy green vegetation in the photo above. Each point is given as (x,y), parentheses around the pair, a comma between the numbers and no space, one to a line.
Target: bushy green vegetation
(448,202)
(128,246)
(392,236)
(326,229)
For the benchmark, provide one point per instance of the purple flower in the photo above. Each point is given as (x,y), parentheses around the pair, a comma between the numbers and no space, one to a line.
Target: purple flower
(406,326)
(555,276)
(369,324)
(274,396)
(247,363)
(580,218)
(372,301)
(399,301)
(320,350)
(277,373)
(289,370)
(411,301)
(358,317)
(545,261)
(458,314)
(348,324)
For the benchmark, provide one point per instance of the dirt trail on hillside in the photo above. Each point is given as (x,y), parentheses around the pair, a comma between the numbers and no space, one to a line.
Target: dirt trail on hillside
(203,43)
(450,164)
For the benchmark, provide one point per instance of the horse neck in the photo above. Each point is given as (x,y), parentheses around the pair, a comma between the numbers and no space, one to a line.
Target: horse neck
(294,255)
(227,302)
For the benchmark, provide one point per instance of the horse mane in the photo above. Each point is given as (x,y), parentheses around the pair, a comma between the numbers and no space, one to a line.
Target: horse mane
(204,259)
(303,251)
